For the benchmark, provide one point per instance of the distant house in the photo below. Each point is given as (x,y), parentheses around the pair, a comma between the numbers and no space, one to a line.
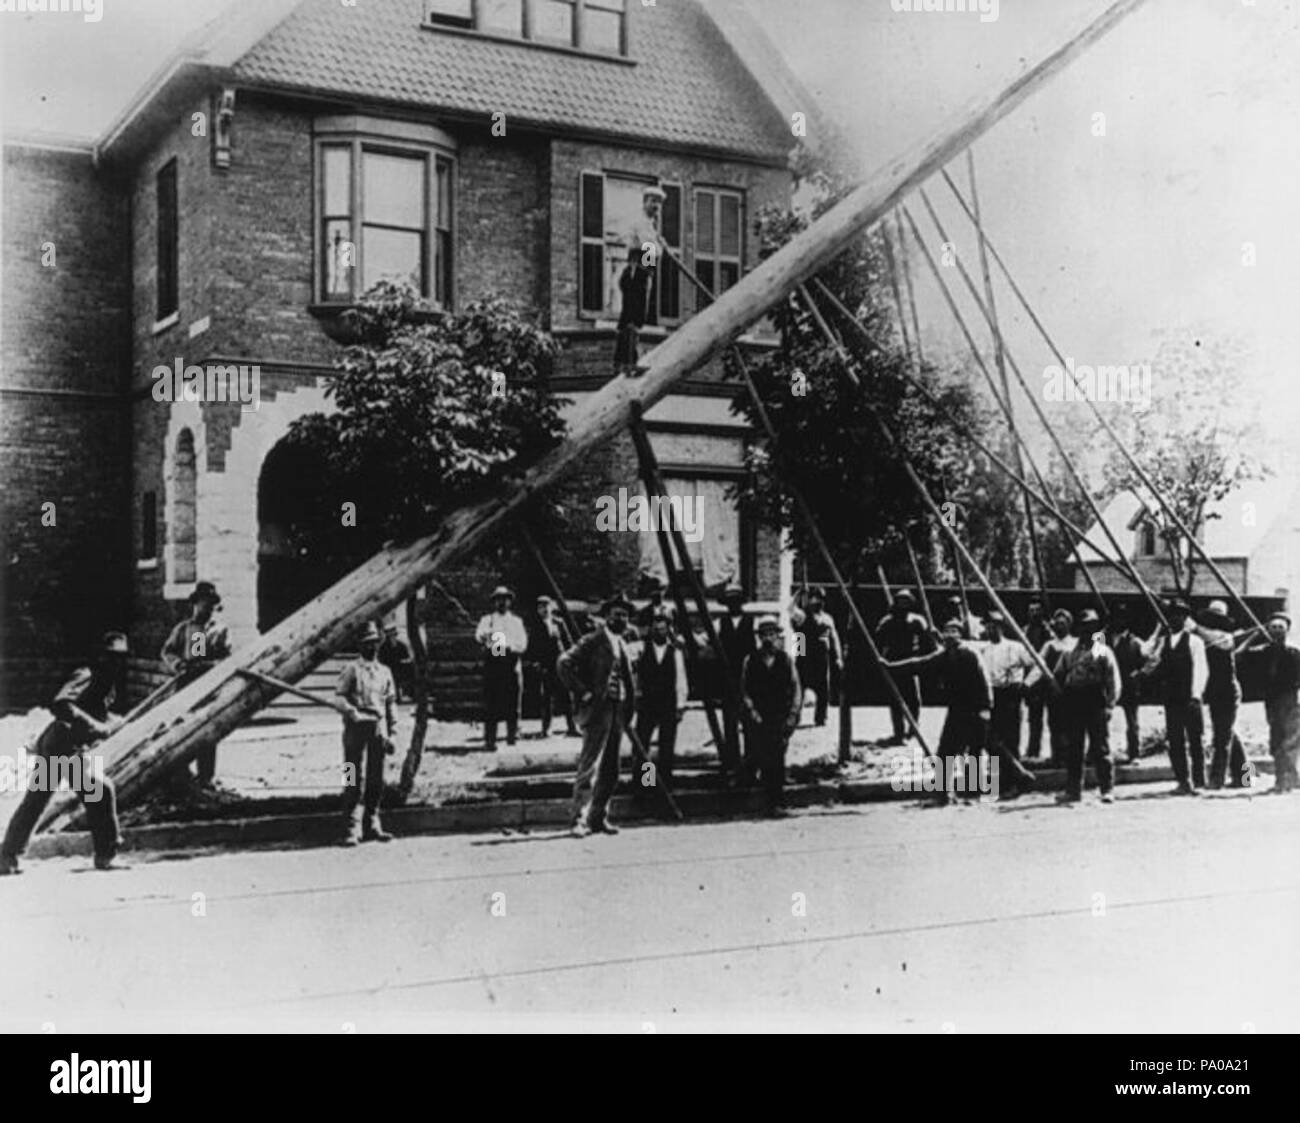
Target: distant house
(1254,540)
(282,161)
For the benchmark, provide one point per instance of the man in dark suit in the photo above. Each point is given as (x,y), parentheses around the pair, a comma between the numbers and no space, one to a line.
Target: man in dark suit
(660,695)
(598,671)
(771,696)
(548,636)
(820,656)
(902,634)
(736,636)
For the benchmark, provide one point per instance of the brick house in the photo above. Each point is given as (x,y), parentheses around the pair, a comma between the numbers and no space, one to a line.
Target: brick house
(277,165)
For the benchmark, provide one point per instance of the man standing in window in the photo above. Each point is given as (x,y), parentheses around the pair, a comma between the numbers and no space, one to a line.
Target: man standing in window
(644,247)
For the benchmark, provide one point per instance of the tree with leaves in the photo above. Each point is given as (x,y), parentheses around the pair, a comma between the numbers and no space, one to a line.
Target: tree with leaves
(432,408)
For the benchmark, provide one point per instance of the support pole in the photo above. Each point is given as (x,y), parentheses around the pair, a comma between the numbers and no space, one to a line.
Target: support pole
(1001,364)
(911,292)
(1138,470)
(887,237)
(846,364)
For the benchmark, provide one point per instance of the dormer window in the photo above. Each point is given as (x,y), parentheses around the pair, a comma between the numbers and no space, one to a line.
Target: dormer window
(1146,539)
(594,26)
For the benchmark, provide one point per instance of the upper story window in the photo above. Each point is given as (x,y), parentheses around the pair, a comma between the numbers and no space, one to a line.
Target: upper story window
(610,206)
(385,209)
(168,242)
(599,26)
(719,240)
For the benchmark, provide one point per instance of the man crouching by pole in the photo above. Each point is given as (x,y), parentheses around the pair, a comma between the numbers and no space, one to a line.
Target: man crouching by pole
(369,697)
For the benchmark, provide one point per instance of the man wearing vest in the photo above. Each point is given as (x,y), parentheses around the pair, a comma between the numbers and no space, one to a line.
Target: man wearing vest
(598,672)
(1223,694)
(1281,699)
(736,636)
(902,634)
(661,695)
(82,716)
(548,636)
(820,655)
(368,697)
(1182,673)
(1051,653)
(503,638)
(1090,686)
(770,698)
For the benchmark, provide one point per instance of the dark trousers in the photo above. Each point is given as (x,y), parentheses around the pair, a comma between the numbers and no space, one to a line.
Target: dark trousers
(815,675)
(765,745)
(1228,750)
(363,752)
(1132,728)
(597,774)
(1006,717)
(552,698)
(635,284)
(1283,713)
(962,738)
(55,745)
(1185,730)
(661,717)
(1086,718)
(501,689)
(1035,704)
(910,689)
(1058,728)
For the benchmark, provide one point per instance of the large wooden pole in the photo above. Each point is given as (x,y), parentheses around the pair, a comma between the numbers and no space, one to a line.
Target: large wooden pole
(217,703)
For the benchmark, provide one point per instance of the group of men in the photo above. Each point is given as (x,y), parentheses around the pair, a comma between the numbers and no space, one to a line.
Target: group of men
(1077,670)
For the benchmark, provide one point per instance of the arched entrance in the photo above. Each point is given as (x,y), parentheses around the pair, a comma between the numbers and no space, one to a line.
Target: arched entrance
(302,545)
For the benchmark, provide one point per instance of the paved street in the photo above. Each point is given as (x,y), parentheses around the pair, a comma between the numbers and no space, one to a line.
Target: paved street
(1154,914)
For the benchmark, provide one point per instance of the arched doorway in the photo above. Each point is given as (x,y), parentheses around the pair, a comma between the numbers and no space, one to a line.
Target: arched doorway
(302,545)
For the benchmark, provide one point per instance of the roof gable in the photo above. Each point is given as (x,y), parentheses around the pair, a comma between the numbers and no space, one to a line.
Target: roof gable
(683,86)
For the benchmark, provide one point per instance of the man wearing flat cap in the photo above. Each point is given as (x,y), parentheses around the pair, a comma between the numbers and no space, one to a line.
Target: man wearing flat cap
(598,672)
(1281,673)
(636,282)
(1223,693)
(503,639)
(82,716)
(1181,674)
(770,697)
(902,634)
(819,654)
(548,637)
(1090,687)
(192,648)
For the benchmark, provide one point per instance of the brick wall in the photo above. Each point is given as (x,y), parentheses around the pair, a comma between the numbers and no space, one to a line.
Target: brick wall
(62,419)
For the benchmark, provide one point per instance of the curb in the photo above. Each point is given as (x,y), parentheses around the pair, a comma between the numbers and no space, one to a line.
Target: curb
(519,814)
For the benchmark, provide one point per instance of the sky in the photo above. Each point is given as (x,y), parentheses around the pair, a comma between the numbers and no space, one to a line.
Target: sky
(1117,239)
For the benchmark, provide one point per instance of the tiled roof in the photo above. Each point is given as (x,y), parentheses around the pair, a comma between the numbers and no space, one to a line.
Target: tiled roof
(687,88)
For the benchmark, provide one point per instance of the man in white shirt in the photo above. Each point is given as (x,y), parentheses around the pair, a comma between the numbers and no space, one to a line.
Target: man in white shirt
(502,636)
(1011,670)
(1182,674)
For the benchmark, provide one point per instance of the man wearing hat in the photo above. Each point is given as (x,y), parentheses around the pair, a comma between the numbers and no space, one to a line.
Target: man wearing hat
(396,656)
(1012,671)
(1182,673)
(368,696)
(192,648)
(770,697)
(1037,633)
(1062,641)
(82,716)
(548,636)
(1281,675)
(736,636)
(1090,686)
(655,606)
(1128,655)
(1223,693)
(661,690)
(598,672)
(902,634)
(644,247)
(818,651)
(503,638)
